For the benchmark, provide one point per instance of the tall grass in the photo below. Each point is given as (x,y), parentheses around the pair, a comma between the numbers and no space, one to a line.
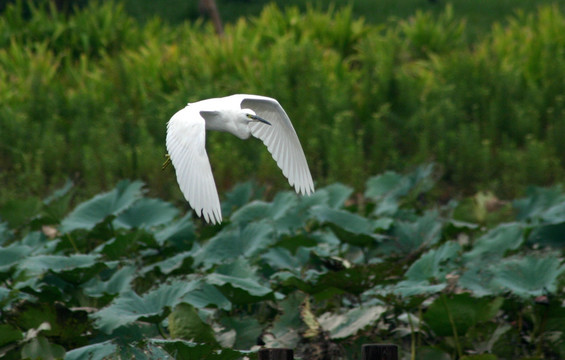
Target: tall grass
(86,96)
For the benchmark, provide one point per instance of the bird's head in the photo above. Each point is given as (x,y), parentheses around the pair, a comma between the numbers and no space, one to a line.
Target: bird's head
(251,116)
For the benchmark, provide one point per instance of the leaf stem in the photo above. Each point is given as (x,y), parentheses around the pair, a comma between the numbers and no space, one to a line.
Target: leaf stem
(412,339)
(453,328)
(161,331)
(73,243)
(421,319)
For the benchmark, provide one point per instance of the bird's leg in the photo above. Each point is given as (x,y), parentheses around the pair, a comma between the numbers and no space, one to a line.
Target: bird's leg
(167,162)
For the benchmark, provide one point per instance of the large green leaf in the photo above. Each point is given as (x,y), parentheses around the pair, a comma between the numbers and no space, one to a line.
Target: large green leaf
(182,349)
(87,214)
(538,202)
(180,233)
(253,211)
(98,351)
(256,237)
(250,290)
(11,256)
(149,351)
(351,322)
(4,293)
(41,348)
(306,241)
(461,311)
(285,213)
(337,194)
(478,279)
(146,213)
(528,276)
(232,242)
(409,288)
(9,334)
(291,281)
(495,243)
(239,282)
(34,266)
(185,323)
(282,203)
(525,277)
(555,214)
(247,330)
(281,258)
(388,189)
(175,264)
(285,329)
(204,295)
(548,235)
(237,197)
(39,243)
(117,283)
(329,196)
(410,236)
(125,244)
(345,220)
(153,306)
(434,264)
(9,296)
(224,246)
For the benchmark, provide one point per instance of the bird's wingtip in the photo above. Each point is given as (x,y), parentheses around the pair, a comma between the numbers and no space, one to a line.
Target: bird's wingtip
(211,217)
(304,190)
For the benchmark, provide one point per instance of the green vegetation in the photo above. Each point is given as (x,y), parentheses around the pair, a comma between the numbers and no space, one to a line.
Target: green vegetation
(127,275)
(87,96)
(479,15)
(433,260)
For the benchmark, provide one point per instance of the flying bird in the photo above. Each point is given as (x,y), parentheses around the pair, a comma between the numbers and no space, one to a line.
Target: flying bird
(242,115)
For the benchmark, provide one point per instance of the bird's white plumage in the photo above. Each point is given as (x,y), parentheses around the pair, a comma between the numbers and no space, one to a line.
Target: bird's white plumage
(281,140)
(186,140)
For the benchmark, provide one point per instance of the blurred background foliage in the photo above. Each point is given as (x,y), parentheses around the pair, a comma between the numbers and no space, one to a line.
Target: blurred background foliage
(478,88)
(86,89)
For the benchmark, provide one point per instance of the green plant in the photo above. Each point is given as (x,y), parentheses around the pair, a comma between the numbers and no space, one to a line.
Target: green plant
(86,96)
(123,274)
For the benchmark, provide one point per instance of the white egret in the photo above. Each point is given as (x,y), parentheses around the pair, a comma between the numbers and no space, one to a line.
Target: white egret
(242,115)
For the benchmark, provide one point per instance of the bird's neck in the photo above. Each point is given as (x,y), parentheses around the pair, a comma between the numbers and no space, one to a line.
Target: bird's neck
(227,122)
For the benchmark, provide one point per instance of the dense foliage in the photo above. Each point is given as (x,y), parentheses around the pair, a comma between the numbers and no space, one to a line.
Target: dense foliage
(124,274)
(480,15)
(87,96)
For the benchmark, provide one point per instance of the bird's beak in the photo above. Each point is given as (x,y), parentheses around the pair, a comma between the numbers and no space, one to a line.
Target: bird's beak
(258,118)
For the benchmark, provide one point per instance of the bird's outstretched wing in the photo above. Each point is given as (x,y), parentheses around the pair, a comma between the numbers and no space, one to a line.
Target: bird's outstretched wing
(186,144)
(281,140)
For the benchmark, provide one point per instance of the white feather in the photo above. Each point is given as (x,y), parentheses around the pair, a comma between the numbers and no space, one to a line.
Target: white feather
(186,144)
